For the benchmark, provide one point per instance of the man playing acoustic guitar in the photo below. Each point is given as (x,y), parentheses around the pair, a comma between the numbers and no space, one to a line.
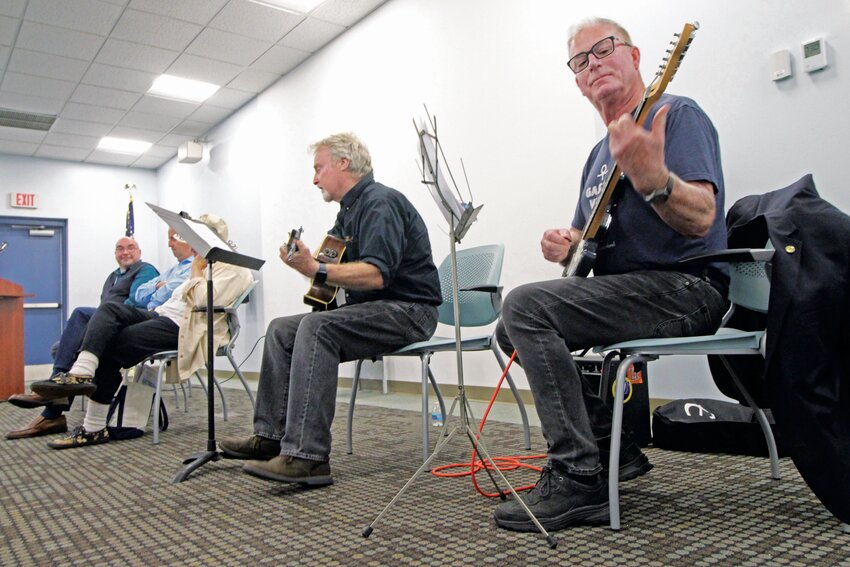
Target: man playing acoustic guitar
(392,290)
(669,205)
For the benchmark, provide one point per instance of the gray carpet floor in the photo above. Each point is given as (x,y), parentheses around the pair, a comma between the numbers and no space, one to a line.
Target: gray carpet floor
(114,504)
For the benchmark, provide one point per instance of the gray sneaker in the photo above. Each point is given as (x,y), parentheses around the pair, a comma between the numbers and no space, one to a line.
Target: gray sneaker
(254,447)
(557,502)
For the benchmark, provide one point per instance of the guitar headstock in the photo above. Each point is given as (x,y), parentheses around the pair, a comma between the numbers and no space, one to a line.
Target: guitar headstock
(291,248)
(671,62)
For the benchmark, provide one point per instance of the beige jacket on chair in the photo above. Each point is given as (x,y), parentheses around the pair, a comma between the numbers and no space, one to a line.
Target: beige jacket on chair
(229,282)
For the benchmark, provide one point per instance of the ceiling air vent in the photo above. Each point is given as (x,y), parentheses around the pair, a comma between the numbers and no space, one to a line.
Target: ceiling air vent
(27,120)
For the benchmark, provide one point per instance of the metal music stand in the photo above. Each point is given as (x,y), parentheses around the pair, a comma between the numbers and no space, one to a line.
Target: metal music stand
(212,248)
(460,217)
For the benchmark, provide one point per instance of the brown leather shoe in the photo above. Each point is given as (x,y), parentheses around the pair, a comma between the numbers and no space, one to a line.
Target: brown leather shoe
(254,447)
(284,468)
(40,426)
(33,400)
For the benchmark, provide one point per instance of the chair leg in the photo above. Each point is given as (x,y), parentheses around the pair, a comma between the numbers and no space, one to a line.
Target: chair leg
(760,417)
(235,366)
(354,384)
(522,413)
(157,397)
(221,395)
(425,359)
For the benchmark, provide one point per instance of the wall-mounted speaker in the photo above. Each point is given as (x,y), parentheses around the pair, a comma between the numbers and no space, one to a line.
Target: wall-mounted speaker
(190,152)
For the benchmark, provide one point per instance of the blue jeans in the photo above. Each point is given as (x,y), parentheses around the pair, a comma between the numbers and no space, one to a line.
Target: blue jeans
(545,321)
(296,396)
(65,353)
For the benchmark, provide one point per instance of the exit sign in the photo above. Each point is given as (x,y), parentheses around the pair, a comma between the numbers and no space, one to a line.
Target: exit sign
(23,200)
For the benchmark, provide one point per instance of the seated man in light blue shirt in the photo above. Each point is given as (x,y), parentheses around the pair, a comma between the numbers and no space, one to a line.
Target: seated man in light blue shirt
(156,291)
(148,295)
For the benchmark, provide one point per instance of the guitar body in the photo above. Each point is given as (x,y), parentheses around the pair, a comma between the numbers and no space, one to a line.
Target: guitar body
(322,297)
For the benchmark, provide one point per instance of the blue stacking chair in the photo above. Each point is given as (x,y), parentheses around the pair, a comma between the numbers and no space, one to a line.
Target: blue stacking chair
(749,288)
(480,296)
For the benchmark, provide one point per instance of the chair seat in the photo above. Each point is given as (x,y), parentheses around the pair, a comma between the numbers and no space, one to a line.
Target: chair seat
(725,341)
(442,344)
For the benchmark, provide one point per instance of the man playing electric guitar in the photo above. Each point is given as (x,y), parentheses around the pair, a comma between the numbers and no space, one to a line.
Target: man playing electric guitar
(392,291)
(667,205)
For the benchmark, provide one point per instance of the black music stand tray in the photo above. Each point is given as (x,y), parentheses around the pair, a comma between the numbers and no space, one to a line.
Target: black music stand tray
(212,248)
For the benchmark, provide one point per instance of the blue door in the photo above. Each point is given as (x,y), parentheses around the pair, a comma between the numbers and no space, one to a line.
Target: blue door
(34,258)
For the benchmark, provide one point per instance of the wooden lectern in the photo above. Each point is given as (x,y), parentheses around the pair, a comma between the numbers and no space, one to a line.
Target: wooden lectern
(11,339)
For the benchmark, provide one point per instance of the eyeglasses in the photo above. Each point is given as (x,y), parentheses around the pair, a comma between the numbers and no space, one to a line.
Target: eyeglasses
(601,49)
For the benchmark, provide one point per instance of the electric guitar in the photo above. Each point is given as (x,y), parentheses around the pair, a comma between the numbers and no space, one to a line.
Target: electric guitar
(596,227)
(320,296)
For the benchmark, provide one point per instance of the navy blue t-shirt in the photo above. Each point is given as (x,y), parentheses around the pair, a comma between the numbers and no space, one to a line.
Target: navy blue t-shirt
(638,239)
(381,227)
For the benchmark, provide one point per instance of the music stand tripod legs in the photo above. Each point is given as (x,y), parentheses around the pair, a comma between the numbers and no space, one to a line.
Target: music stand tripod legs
(475,439)
(197,460)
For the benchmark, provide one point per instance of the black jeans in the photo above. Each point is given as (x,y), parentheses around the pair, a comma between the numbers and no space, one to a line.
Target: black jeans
(545,321)
(122,336)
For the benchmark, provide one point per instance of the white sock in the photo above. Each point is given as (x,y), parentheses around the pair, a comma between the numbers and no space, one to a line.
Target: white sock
(85,365)
(95,419)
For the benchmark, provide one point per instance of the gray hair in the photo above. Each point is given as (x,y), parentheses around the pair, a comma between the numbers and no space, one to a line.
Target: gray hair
(622,34)
(347,146)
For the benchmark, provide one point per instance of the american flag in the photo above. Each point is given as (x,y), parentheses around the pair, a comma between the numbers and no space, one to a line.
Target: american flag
(130,221)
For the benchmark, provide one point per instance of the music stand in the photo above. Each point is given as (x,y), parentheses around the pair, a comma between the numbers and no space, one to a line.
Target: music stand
(460,216)
(213,249)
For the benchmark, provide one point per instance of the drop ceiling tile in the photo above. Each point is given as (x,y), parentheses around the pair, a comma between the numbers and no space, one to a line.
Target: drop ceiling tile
(71,140)
(150,162)
(253,80)
(62,152)
(112,98)
(158,105)
(30,103)
(230,98)
(280,59)
(160,151)
(311,34)
(109,158)
(13,8)
(136,133)
(229,47)
(192,128)
(118,2)
(211,114)
(136,56)
(21,135)
(92,113)
(48,88)
(4,56)
(68,126)
(156,30)
(47,65)
(158,122)
(203,69)
(17,148)
(8,29)
(125,79)
(92,16)
(345,12)
(195,11)
(255,20)
(58,41)
(174,140)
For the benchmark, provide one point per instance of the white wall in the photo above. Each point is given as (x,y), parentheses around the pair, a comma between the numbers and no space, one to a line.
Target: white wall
(93,200)
(494,74)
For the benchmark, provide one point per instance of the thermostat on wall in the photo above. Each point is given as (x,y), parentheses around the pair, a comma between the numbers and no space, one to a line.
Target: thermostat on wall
(814,55)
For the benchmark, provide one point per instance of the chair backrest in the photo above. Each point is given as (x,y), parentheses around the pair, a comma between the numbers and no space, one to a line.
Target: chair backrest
(480,266)
(233,325)
(749,284)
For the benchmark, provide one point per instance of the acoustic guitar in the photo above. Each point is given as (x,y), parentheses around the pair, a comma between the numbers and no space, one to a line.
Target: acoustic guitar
(596,227)
(321,296)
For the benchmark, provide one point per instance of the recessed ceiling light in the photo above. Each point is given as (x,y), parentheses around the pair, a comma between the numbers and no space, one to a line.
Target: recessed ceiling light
(123,145)
(296,6)
(178,88)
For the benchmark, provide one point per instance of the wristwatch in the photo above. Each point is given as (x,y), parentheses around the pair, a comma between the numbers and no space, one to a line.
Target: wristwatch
(661,195)
(321,276)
